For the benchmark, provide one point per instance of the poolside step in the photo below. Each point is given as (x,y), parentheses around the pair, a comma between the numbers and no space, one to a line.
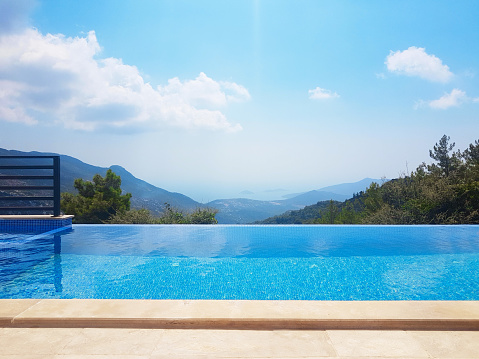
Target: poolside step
(228,314)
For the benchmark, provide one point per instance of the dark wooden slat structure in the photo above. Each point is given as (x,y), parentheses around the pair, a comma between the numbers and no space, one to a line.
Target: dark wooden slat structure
(28,203)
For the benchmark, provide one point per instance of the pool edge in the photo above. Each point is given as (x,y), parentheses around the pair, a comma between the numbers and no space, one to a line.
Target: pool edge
(240,315)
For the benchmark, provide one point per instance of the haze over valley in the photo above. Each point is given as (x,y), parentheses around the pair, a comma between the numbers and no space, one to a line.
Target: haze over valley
(231,211)
(254,99)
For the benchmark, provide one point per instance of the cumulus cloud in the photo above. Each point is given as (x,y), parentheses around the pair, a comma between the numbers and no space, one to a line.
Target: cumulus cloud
(204,91)
(416,62)
(322,94)
(57,77)
(453,99)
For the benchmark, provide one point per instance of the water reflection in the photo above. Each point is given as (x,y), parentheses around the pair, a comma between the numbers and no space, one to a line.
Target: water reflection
(157,240)
(57,263)
(248,262)
(270,241)
(21,254)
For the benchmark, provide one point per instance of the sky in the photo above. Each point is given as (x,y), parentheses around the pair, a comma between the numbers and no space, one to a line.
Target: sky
(213,98)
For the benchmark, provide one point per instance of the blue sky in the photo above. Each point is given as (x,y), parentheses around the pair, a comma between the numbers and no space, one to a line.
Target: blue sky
(211,98)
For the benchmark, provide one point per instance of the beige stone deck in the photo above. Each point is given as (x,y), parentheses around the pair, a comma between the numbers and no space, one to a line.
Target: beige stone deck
(33,328)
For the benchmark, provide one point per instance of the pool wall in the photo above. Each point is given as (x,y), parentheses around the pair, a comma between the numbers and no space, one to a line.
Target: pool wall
(38,224)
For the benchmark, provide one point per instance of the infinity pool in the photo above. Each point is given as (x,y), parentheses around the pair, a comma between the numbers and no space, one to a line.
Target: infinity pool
(243,262)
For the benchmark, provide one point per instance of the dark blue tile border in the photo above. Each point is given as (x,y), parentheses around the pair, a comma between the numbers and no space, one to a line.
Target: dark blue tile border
(33,225)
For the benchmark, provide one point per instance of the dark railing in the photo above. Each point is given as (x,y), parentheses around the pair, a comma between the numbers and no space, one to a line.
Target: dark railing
(24,180)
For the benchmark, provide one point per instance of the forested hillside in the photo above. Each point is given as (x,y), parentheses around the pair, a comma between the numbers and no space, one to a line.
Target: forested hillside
(144,195)
(445,192)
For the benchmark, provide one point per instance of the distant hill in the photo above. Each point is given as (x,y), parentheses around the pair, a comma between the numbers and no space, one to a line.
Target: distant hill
(314,196)
(343,190)
(231,211)
(144,195)
(243,210)
(300,216)
(309,213)
(348,189)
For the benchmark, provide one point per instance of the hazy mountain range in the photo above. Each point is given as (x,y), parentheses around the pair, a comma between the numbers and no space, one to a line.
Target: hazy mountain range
(236,210)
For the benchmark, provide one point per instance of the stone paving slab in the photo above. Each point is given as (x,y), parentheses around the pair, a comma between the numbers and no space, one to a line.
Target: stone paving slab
(96,343)
(253,315)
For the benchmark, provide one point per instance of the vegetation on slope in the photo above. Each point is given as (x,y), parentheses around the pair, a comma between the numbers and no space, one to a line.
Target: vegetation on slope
(169,216)
(445,192)
(102,201)
(96,200)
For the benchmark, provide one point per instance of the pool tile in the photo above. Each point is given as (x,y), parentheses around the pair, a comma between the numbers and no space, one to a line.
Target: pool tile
(248,262)
(369,343)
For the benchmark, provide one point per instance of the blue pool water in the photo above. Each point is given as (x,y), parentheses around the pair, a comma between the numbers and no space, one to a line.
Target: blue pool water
(243,262)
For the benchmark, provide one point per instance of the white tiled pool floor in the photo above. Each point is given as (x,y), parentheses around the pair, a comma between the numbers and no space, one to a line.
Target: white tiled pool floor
(96,329)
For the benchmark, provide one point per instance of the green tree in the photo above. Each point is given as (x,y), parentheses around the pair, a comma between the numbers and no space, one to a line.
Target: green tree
(373,198)
(440,153)
(443,193)
(98,200)
(203,216)
(134,216)
(172,215)
(348,215)
(330,214)
(471,154)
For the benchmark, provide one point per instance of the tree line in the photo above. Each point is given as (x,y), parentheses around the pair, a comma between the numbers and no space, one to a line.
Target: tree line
(101,201)
(444,192)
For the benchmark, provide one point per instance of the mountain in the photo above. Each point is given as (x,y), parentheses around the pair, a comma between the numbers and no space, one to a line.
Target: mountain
(349,189)
(343,190)
(314,196)
(243,210)
(144,195)
(263,195)
(231,211)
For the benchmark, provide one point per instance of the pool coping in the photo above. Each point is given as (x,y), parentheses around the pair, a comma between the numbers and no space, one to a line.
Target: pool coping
(238,314)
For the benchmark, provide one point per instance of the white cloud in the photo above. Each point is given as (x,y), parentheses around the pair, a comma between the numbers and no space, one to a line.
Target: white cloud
(204,91)
(416,62)
(453,99)
(322,94)
(52,76)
